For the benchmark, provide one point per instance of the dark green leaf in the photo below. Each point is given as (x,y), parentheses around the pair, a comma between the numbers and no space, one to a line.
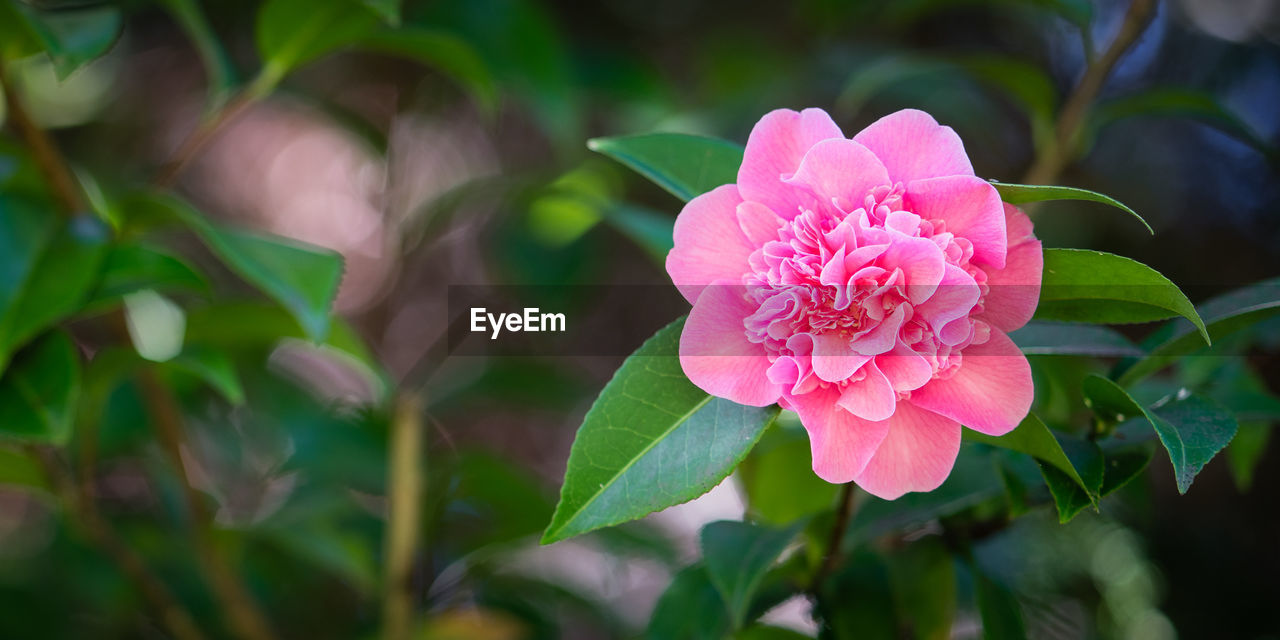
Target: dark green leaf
(131,268)
(1245,451)
(1068,497)
(685,165)
(737,555)
(1064,338)
(1223,315)
(1024,193)
(38,392)
(1033,438)
(213,367)
(440,50)
(652,230)
(220,74)
(38,293)
(923,577)
(72,37)
(1192,429)
(690,609)
(651,440)
(1000,611)
(1123,466)
(779,481)
(1175,102)
(19,468)
(768,632)
(293,32)
(858,600)
(1092,286)
(302,278)
(388,10)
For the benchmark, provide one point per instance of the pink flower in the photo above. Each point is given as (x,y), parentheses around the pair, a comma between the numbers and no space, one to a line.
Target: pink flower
(867,285)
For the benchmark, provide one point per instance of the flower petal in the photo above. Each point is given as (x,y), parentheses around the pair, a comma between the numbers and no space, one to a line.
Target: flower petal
(905,369)
(715,352)
(841,443)
(920,260)
(971,209)
(1015,289)
(758,223)
(990,392)
(916,454)
(871,398)
(912,146)
(834,359)
(955,297)
(775,147)
(709,245)
(840,171)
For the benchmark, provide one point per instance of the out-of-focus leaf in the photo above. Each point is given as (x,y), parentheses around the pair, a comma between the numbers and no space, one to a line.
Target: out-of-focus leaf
(651,230)
(1245,451)
(651,440)
(685,165)
(440,50)
(291,33)
(858,600)
(1092,286)
(214,368)
(38,392)
(1223,316)
(19,468)
(302,278)
(47,275)
(130,268)
(1033,438)
(1024,193)
(1000,611)
(1078,12)
(324,545)
(778,478)
(690,609)
(72,37)
(923,577)
(1064,338)
(388,10)
(220,74)
(737,555)
(768,632)
(508,503)
(1192,429)
(1176,102)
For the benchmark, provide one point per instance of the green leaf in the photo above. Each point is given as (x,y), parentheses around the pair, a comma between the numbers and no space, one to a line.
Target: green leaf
(651,230)
(1064,338)
(1243,454)
(388,10)
(303,278)
(1024,193)
(130,268)
(440,50)
(1000,611)
(651,440)
(1192,429)
(685,165)
(1092,286)
(923,578)
(220,73)
(48,268)
(1035,439)
(1123,466)
(857,601)
(19,468)
(1175,102)
(72,37)
(778,478)
(1223,316)
(690,609)
(38,392)
(768,632)
(1068,497)
(291,33)
(214,368)
(737,556)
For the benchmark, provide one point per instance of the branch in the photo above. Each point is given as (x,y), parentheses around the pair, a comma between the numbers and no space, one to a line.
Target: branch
(1054,158)
(48,159)
(404,491)
(832,556)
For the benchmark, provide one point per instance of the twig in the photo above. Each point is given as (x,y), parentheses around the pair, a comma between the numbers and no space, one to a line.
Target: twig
(48,159)
(200,137)
(1050,162)
(404,490)
(172,614)
(244,617)
(832,556)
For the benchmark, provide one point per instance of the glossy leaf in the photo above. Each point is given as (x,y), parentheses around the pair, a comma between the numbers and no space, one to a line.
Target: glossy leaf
(1069,339)
(1092,286)
(683,164)
(651,440)
(439,50)
(1035,439)
(737,555)
(1192,429)
(778,478)
(1123,466)
(38,392)
(1024,193)
(1223,316)
(49,273)
(130,268)
(690,609)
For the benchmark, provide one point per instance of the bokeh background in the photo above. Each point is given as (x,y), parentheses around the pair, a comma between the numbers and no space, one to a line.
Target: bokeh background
(421,183)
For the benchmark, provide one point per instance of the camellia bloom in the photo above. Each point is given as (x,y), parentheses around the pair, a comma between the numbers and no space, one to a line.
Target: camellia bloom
(866,284)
